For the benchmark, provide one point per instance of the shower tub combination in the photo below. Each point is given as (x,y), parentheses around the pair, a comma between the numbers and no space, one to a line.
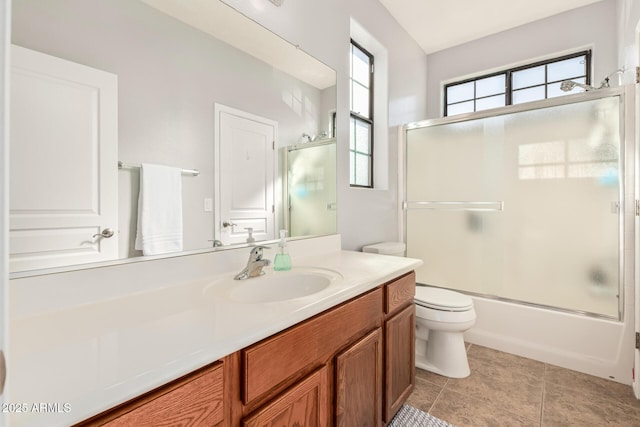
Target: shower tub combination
(523,208)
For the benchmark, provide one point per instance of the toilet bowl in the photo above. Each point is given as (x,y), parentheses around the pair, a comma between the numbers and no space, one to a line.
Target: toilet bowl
(442,317)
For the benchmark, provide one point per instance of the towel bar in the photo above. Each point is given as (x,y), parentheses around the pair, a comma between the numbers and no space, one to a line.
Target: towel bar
(123,165)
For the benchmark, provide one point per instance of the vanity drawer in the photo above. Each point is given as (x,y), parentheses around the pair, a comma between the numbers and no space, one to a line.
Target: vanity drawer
(268,365)
(400,292)
(194,400)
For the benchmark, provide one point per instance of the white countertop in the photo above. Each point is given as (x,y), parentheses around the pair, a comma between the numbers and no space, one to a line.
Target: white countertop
(91,356)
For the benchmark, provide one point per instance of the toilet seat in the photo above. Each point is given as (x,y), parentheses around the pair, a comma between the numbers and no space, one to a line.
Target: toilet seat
(442,299)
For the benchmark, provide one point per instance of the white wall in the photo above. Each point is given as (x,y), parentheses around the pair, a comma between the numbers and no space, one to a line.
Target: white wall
(5,16)
(628,28)
(323,30)
(592,26)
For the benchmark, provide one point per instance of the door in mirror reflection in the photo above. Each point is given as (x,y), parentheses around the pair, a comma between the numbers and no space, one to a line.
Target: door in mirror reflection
(64,127)
(245,157)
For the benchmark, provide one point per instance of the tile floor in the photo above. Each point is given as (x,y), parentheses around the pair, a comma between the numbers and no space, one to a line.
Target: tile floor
(508,390)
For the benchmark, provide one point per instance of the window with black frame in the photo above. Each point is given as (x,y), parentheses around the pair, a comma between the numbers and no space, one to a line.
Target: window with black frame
(361,119)
(531,82)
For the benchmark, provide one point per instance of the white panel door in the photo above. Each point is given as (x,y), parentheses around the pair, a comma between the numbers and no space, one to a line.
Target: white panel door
(63,182)
(245,159)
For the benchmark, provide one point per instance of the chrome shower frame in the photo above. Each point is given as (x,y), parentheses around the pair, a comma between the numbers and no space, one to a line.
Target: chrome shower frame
(627,207)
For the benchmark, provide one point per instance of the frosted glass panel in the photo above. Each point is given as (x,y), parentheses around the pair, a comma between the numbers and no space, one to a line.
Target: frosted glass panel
(312,190)
(556,241)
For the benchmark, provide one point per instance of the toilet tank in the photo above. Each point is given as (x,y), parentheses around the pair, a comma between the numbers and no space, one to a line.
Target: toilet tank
(385,248)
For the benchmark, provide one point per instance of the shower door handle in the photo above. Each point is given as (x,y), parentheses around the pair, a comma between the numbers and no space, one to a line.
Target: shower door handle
(456,205)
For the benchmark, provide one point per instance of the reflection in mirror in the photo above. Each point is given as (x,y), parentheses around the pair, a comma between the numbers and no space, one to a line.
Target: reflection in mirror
(311,188)
(95,82)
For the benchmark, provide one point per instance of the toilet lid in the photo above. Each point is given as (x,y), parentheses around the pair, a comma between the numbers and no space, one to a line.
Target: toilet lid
(442,299)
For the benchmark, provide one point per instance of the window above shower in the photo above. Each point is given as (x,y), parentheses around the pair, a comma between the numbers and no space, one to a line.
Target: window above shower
(530,82)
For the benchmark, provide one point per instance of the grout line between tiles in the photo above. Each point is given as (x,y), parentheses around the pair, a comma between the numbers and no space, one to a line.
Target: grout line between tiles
(544,389)
(438,396)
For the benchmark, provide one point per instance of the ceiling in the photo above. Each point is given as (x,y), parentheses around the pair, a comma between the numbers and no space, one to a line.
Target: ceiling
(440,24)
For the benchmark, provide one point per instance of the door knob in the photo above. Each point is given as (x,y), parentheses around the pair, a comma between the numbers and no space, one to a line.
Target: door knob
(106,233)
(226,224)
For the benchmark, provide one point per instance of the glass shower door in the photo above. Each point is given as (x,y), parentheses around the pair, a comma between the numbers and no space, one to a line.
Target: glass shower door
(523,206)
(311,192)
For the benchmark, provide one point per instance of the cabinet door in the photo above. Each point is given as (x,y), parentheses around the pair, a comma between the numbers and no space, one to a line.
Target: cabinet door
(304,404)
(358,385)
(400,359)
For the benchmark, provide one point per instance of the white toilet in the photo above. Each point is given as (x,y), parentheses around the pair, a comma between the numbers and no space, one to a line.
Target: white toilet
(442,317)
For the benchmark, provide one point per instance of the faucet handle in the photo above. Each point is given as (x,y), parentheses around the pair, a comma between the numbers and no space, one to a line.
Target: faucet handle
(256,252)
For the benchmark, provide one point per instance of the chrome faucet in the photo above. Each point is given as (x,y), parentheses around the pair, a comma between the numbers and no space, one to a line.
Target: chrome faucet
(254,265)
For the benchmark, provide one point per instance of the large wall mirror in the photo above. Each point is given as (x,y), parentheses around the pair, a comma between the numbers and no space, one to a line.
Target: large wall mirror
(100,88)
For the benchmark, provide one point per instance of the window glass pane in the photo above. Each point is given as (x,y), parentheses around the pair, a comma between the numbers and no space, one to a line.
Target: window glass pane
(362,170)
(490,102)
(528,77)
(352,134)
(362,137)
(360,66)
(517,85)
(553,90)
(463,107)
(567,69)
(527,95)
(352,167)
(490,86)
(360,100)
(460,92)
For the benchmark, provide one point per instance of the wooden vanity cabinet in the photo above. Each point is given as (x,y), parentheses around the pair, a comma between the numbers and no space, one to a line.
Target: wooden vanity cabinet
(352,365)
(364,347)
(197,399)
(327,343)
(399,338)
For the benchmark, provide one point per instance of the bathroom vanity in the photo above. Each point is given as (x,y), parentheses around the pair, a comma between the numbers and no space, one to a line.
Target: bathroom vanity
(352,365)
(179,338)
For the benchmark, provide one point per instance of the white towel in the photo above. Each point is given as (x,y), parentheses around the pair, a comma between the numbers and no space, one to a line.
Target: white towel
(159,210)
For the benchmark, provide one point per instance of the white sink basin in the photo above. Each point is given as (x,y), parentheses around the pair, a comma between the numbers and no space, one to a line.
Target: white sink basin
(283,285)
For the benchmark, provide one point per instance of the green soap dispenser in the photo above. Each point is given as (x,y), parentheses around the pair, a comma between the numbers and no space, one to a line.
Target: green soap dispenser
(282,262)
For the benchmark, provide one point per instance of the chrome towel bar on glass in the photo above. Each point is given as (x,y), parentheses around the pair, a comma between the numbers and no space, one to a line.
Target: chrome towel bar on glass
(123,165)
(456,206)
